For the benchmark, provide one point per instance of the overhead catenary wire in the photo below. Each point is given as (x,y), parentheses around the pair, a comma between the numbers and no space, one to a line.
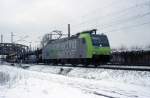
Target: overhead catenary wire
(123,21)
(131,26)
(113,17)
(116,14)
(64,24)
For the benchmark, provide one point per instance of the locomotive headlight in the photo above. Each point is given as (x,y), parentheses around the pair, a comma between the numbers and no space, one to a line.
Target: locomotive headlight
(100,45)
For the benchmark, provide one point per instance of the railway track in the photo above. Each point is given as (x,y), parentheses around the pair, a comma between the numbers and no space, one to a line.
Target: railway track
(108,66)
(123,67)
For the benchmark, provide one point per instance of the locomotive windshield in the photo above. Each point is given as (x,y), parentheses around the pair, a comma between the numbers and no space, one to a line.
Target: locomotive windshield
(100,40)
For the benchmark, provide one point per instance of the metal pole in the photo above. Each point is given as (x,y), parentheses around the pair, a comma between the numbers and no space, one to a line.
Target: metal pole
(12,37)
(2,56)
(68,30)
(30,46)
(1,38)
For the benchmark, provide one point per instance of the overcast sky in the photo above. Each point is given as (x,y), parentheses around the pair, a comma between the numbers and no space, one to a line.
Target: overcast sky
(126,22)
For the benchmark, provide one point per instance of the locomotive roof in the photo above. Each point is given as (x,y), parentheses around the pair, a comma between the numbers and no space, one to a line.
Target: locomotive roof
(91,32)
(88,31)
(63,39)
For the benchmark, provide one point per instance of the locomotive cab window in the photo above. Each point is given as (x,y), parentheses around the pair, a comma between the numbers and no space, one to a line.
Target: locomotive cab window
(83,40)
(100,40)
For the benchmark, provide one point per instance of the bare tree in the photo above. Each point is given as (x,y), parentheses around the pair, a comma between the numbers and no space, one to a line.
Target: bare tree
(123,48)
(148,46)
(136,48)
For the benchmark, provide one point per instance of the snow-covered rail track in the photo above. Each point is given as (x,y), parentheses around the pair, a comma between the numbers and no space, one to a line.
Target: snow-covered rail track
(123,67)
(108,66)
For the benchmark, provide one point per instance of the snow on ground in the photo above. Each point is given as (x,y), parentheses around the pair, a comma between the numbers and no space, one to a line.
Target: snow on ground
(20,83)
(131,77)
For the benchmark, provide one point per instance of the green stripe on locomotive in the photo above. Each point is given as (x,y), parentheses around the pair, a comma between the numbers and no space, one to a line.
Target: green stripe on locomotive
(93,50)
(88,41)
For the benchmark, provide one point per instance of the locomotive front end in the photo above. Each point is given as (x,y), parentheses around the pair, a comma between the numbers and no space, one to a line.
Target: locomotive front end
(101,48)
(97,47)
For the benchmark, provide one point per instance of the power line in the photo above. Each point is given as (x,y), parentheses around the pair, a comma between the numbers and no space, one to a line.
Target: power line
(132,26)
(66,22)
(95,10)
(116,13)
(126,20)
(122,12)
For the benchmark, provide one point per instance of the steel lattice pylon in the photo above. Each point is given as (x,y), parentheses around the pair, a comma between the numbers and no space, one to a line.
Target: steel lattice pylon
(12,48)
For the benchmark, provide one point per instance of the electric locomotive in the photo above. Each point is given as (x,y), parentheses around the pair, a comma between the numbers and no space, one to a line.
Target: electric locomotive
(85,47)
